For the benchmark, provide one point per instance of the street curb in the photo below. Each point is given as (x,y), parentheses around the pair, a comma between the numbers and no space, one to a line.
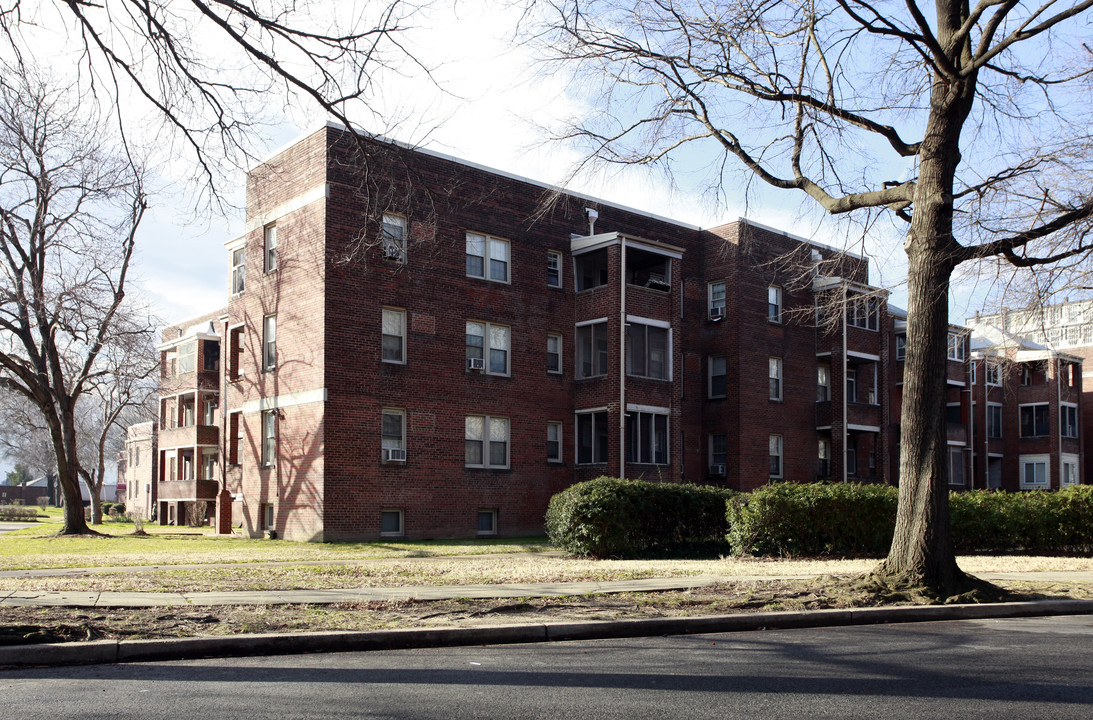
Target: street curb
(117,651)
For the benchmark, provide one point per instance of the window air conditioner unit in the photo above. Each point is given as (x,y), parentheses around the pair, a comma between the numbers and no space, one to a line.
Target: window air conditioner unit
(717,469)
(394,455)
(476,364)
(391,251)
(717,313)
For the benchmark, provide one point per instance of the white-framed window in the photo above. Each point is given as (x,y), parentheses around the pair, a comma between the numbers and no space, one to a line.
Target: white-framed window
(393,435)
(823,457)
(1068,417)
(391,523)
(1034,420)
(716,299)
(851,385)
(774,304)
(236,338)
(994,373)
(719,453)
(956,465)
(774,371)
(1068,470)
(267,516)
(592,349)
(994,420)
(393,237)
(648,351)
(269,437)
(554,441)
(393,342)
(956,347)
(901,347)
(554,269)
(208,464)
(591,437)
(1035,471)
(487,522)
(269,244)
(187,358)
(775,454)
(269,342)
(823,383)
(235,436)
(647,438)
(862,312)
(554,353)
(718,384)
(489,345)
(239,270)
(487,257)
(486,441)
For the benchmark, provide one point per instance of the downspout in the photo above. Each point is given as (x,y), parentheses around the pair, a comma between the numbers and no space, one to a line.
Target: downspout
(1058,424)
(846,410)
(622,358)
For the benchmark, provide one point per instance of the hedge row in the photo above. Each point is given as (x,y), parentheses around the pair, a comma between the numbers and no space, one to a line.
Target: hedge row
(608,517)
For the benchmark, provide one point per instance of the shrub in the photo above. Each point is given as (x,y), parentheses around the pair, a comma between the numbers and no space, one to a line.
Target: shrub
(1033,521)
(18,513)
(790,519)
(610,517)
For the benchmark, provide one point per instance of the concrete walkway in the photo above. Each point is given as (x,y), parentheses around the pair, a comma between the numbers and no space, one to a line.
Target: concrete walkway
(428,592)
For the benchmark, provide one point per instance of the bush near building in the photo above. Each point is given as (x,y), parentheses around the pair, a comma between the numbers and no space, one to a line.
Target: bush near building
(609,517)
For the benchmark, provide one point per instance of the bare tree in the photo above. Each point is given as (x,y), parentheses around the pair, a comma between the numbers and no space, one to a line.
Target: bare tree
(69,209)
(966,124)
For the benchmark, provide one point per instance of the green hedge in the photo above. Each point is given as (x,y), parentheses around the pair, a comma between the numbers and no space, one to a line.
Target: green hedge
(790,519)
(19,513)
(1035,521)
(609,517)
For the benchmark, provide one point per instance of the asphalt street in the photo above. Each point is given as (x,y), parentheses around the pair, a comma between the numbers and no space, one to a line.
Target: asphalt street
(1013,668)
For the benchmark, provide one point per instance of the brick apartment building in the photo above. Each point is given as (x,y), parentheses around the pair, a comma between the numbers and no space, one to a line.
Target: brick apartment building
(416,346)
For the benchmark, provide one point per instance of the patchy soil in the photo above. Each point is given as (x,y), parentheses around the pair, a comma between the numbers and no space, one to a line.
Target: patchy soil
(25,625)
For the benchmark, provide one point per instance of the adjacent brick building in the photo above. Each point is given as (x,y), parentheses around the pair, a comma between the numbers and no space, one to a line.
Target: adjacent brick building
(416,346)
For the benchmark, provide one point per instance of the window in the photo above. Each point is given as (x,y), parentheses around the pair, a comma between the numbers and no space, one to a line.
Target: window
(267,516)
(487,522)
(393,435)
(647,351)
(1069,373)
(774,371)
(487,257)
(269,242)
(591,437)
(1026,374)
(956,347)
(647,438)
(862,312)
(235,353)
(901,347)
(187,358)
(823,455)
(717,300)
(851,385)
(852,456)
(209,413)
(591,269)
(956,466)
(269,437)
(974,369)
(1035,471)
(554,269)
(235,437)
(719,453)
(994,373)
(208,466)
(1034,420)
(554,442)
(554,353)
(239,270)
(774,304)
(718,377)
(391,523)
(393,342)
(1069,416)
(269,342)
(210,360)
(775,456)
(489,345)
(486,441)
(393,237)
(592,350)
(994,420)
(186,407)
(823,383)
(648,269)
(953,416)
(1068,470)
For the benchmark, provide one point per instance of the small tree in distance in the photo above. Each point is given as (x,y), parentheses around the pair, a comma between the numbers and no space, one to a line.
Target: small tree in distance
(966,124)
